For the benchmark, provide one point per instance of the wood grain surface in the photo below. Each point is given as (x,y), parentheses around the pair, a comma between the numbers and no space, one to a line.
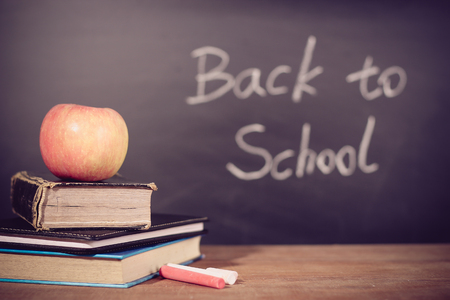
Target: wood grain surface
(289,272)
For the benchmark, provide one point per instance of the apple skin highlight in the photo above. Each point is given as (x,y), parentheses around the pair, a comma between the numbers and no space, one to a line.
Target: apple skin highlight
(83,143)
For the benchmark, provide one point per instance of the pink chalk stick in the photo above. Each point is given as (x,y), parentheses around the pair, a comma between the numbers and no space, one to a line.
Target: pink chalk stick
(191,277)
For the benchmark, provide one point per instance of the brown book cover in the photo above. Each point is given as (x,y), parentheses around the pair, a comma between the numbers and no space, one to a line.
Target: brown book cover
(47,202)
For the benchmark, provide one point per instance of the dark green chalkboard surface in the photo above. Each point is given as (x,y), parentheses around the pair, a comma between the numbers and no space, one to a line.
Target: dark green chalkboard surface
(281,121)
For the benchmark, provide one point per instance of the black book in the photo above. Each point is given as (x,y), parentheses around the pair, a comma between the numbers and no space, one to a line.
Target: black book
(16,233)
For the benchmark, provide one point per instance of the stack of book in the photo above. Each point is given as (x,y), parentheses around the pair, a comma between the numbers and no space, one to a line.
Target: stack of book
(91,234)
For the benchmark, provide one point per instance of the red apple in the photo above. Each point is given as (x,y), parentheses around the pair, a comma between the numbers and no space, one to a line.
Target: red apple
(83,143)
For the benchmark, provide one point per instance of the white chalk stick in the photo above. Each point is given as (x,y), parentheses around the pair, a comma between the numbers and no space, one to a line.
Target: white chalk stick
(192,269)
(228,276)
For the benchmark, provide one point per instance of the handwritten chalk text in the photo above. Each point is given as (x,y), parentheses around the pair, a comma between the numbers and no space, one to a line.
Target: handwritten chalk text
(235,84)
(304,76)
(326,161)
(384,80)
(391,82)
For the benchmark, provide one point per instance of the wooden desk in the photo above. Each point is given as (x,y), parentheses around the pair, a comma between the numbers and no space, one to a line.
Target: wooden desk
(289,272)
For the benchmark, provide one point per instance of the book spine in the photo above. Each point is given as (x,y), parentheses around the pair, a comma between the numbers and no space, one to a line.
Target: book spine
(25,198)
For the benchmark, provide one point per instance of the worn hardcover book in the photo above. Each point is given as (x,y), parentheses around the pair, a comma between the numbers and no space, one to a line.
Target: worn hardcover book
(118,269)
(18,234)
(47,202)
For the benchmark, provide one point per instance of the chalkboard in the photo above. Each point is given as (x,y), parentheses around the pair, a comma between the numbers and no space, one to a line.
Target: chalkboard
(282,121)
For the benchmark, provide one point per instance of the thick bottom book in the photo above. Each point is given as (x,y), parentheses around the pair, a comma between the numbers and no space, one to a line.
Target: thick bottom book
(117,269)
